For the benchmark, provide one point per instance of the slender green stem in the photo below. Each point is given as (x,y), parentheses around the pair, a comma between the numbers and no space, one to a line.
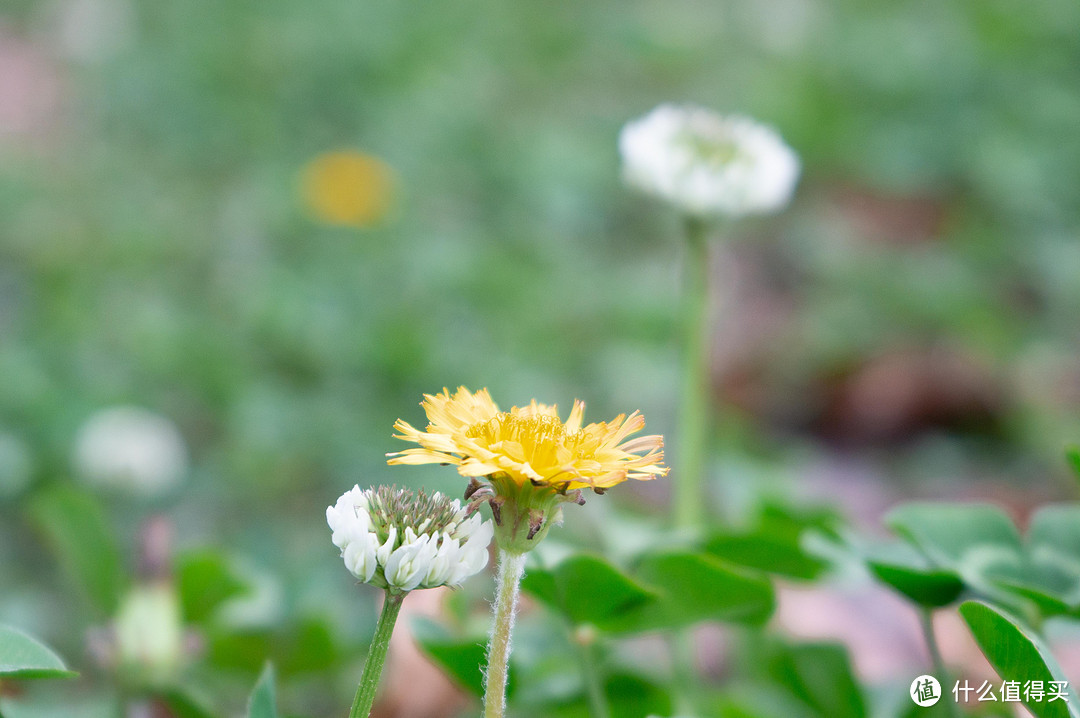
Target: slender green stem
(598,705)
(373,666)
(684,666)
(926,618)
(694,400)
(508,581)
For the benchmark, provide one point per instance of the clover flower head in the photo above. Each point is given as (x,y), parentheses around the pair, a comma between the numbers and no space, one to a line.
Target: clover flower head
(130,448)
(402,540)
(707,164)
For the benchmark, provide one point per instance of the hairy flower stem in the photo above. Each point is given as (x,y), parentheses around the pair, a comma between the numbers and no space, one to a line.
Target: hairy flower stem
(508,581)
(926,617)
(694,401)
(373,666)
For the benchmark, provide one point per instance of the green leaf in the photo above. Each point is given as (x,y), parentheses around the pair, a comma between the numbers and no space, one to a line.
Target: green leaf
(462,658)
(1054,554)
(761,551)
(1056,528)
(950,534)
(774,542)
(820,675)
(205,581)
(587,589)
(240,651)
(1050,574)
(541,583)
(694,587)
(631,696)
(767,700)
(22,656)
(907,571)
(309,647)
(1072,455)
(978,542)
(262,703)
(185,706)
(75,525)
(933,589)
(628,696)
(1017,655)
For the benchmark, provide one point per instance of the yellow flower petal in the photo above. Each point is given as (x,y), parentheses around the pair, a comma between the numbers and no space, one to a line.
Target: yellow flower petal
(530,443)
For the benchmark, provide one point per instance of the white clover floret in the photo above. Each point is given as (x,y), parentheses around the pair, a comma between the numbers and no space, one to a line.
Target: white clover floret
(707,164)
(130,448)
(401,540)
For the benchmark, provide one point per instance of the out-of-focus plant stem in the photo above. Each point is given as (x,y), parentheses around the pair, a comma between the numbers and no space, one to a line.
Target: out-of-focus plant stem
(508,582)
(694,396)
(598,705)
(373,666)
(926,617)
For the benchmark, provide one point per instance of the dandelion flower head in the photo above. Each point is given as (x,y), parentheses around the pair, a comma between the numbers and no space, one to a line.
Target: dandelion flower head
(348,188)
(530,443)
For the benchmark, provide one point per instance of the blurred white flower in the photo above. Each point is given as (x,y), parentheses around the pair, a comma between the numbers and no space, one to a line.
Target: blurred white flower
(130,448)
(706,164)
(93,30)
(401,540)
(149,633)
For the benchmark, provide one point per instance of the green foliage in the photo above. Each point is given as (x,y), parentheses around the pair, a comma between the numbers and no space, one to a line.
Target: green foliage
(820,676)
(205,581)
(587,590)
(22,656)
(1018,655)
(77,528)
(305,646)
(774,542)
(1072,455)
(902,567)
(263,703)
(628,696)
(184,705)
(696,587)
(461,658)
(955,535)
(951,548)
(666,589)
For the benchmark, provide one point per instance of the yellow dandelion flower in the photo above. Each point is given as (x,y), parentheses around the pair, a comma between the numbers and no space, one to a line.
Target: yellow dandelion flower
(348,188)
(530,444)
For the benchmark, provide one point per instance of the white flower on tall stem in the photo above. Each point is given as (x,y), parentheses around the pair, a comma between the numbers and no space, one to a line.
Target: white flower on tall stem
(400,540)
(708,165)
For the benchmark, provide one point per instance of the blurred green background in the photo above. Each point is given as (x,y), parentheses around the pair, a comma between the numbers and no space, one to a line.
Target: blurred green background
(912,315)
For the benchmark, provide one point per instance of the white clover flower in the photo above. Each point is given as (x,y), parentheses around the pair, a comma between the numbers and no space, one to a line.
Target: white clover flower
(401,540)
(131,448)
(706,164)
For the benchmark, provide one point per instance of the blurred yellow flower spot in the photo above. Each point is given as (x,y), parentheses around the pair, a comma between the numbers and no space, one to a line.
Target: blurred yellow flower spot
(348,188)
